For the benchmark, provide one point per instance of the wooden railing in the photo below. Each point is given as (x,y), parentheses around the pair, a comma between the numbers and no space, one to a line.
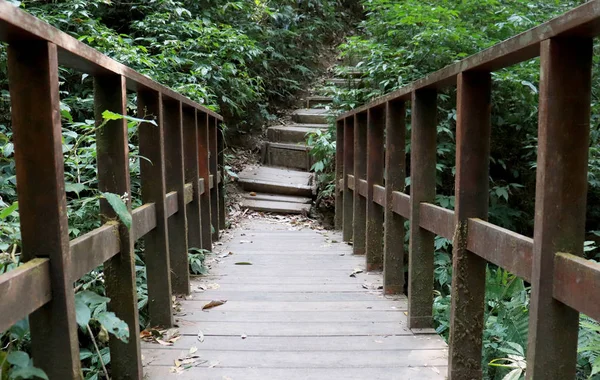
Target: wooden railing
(182,193)
(563,283)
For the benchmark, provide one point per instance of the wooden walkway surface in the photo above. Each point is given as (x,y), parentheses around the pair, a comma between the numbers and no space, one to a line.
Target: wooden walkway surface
(295,313)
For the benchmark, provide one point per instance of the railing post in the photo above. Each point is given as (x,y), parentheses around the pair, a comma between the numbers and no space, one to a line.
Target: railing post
(213,165)
(395,166)
(360,172)
(422,189)
(473,128)
(560,201)
(175,181)
(112,149)
(156,242)
(33,82)
(375,161)
(339,174)
(203,172)
(348,170)
(221,168)
(190,149)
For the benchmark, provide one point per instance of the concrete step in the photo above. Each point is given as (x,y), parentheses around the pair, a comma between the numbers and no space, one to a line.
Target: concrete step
(291,134)
(318,101)
(344,82)
(311,116)
(276,207)
(264,179)
(349,72)
(293,156)
(276,198)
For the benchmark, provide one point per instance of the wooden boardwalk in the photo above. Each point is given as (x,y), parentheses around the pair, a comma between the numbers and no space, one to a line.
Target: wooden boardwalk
(295,313)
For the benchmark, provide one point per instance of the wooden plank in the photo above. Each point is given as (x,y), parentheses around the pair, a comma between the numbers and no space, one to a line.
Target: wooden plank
(379,195)
(422,189)
(31,278)
(156,243)
(175,181)
(574,276)
(395,166)
(371,373)
(583,21)
(214,167)
(351,181)
(201,186)
(300,306)
(339,174)
(360,171)
(401,204)
(35,111)
(17,26)
(293,316)
(363,187)
(235,296)
(502,247)
(221,165)
(375,160)
(315,359)
(438,220)
(191,175)
(296,329)
(473,129)
(277,207)
(348,184)
(112,150)
(560,202)
(203,173)
(94,248)
(144,221)
(300,344)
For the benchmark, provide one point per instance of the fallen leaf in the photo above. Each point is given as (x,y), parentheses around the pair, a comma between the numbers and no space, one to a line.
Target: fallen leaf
(356,271)
(213,303)
(365,286)
(244,336)
(252,194)
(243,263)
(200,337)
(193,350)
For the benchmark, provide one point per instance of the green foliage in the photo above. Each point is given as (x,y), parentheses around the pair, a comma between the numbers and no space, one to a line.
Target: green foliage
(237,57)
(23,367)
(196,257)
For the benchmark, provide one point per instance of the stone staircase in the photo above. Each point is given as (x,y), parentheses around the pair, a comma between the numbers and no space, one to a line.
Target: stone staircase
(284,183)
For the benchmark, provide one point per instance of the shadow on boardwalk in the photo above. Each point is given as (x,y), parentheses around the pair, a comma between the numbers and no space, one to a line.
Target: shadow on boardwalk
(295,313)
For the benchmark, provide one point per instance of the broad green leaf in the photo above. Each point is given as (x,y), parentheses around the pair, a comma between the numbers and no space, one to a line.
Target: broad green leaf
(18,358)
(91,298)
(119,207)
(83,314)
(74,188)
(114,325)
(9,210)
(108,115)
(30,372)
